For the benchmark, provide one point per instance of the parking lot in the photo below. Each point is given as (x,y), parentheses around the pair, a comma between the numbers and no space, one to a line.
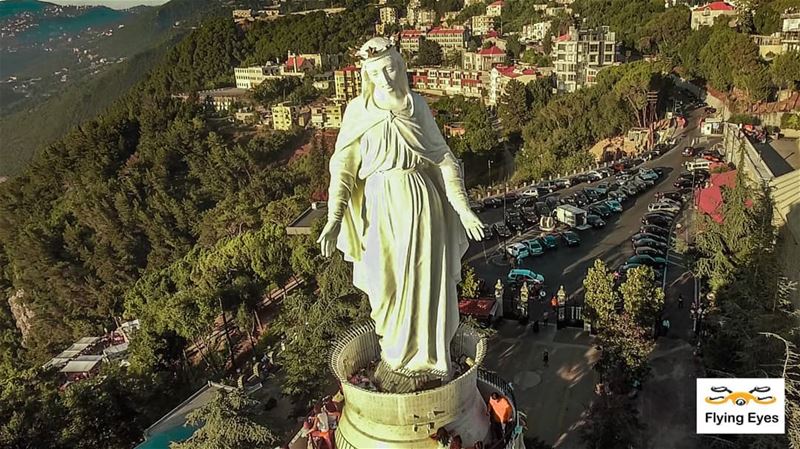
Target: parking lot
(567,266)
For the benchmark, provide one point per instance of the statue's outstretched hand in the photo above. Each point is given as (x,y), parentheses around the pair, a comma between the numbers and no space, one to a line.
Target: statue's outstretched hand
(327,238)
(473,225)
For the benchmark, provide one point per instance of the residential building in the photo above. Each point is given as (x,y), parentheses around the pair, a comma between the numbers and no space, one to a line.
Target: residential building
(495,9)
(410,40)
(250,77)
(323,81)
(768,46)
(556,10)
(539,7)
(790,31)
(580,54)
(449,18)
(500,76)
(243,15)
(348,83)
(454,129)
(484,59)
(286,116)
(388,15)
(223,99)
(535,31)
(450,39)
(327,115)
(482,24)
(445,81)
(299,65)
(471,2)
(706,15)
(424,17)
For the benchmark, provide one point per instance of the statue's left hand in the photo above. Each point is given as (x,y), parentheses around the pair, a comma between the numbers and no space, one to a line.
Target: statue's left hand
(327,238)
(473,225)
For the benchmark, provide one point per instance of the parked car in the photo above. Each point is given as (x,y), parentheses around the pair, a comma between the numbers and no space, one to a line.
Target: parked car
(683,184)
(618,195)
(663,205)
(568,200)
(595,221)
(650,243)
(476,206)
(580,199)
(524,201)
(548,186)
(530,192)
(594,175)
(647,251)
(602,188)
(613,205)
(649,235)
(518,250)
(629,190)
(592,195)
(529,215)
(563,183)
(535,247)
(520,275)
(673,195)
(488,234)
(689,151)
(549,241)
(577,179)
(650,261)
(659,171)
(639,185)
(501,230)
(646,174)
(515,222)
(571,238)
(647,182)
(606,172)
(493,202)
(657,220)
(654,229)
(712,155)
(637,162)
(600,210)
(542,209)
(511,197)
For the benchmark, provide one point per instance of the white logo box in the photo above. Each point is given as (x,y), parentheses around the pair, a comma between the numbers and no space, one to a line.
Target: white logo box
(747,406)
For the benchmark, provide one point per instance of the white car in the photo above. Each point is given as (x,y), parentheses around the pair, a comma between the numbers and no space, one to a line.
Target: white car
(531,192)
(663,206)
(594,175)
(517,249)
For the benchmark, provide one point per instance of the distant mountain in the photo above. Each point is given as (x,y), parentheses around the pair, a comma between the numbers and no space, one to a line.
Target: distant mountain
(27,125)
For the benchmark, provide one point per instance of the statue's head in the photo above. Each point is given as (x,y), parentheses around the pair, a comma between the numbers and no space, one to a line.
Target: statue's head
(382,68)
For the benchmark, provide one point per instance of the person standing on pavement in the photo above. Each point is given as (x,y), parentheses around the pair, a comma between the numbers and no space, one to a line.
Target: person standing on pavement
(680,301)
(545,317)
(546,357)
(665,325)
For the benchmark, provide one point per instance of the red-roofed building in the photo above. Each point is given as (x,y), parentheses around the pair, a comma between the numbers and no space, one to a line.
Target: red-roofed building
(484,59)
(450,39)
(709,199)
(502,74)
(495,9)
(410,40)
(706,15)
(445,81)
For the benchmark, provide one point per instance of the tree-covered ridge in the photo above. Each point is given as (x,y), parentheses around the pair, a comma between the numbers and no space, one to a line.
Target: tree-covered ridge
(152,183)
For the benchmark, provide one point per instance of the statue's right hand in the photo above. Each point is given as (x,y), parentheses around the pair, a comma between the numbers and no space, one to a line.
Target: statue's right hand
(327,238)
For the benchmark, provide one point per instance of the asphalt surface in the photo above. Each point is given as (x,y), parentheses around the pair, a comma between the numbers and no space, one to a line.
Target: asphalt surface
(568,266)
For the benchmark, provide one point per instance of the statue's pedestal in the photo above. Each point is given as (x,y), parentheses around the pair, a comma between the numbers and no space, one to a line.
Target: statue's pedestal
(373,419)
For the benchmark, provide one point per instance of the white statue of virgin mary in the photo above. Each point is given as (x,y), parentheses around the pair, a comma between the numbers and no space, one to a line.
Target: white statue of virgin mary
(398,211)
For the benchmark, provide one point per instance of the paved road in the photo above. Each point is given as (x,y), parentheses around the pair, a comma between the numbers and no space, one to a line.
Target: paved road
(568,266)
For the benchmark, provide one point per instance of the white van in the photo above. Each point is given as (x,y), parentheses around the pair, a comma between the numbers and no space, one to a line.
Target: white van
(663,206)
(698,164)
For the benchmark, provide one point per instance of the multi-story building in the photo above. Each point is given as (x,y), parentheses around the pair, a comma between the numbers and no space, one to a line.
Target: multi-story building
(483,59)
(482,24)
(768,46)
(471,2)
(553,11)
(327,115)
(500,76)
(442,81)
(790,31)
(424,17)
(706,15)
(348,83)
(450,39)
(410,40)
(579,54)
(388,15)
(250,77)
(223,99)
(535,31)
(495,9)
(286,116)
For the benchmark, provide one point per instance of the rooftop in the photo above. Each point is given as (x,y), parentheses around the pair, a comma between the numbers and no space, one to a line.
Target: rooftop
(80,366)
(302,224)
(781,156)
(223,92)
(498,3)
(494,50)
(440,31)
(715,6)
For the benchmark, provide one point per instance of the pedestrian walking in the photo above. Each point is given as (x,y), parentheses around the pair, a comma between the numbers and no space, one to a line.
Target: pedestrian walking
(545,317)
(513,262)
(665,325)
(680,301)
(546,357)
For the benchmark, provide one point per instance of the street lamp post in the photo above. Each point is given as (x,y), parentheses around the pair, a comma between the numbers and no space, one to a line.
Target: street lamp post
(561,297)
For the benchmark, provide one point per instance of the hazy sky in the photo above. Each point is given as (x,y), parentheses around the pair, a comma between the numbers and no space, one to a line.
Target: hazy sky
(116,4)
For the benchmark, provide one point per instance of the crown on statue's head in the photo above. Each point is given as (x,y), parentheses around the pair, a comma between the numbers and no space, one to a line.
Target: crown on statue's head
(375,48)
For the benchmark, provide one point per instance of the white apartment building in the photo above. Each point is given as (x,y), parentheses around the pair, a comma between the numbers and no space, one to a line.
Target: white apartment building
(327,116)
(706,15)
(500,76)
(250,77)
(410,40)
(444,81)
(388,15)
(482,24)
(535,31)
(580,54)
(450,39)
(790,31)
(495,9)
